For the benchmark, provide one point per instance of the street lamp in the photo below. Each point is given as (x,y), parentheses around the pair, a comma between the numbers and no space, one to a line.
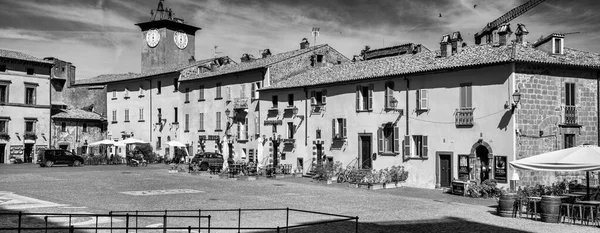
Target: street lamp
(516,99)
(227,112)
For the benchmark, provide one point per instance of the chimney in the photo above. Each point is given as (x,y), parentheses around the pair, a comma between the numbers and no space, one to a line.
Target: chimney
(445,50)
(504,33)
(265,53)
(304,44)
(521,34)
(247,58)
(457,42)
(71,74)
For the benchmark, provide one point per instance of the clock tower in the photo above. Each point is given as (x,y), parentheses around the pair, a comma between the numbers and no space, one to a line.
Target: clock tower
(166,41)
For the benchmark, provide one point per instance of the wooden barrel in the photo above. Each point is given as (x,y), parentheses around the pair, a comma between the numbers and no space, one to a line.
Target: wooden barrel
(506,204)
(550,209)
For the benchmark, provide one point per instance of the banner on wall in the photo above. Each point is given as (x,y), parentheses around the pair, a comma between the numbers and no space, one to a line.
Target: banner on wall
(463,167)
(500,169)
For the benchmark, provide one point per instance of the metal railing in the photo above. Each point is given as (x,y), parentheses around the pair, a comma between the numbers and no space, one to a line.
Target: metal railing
(570,115)
(240,103)
(133,217)
(464,117)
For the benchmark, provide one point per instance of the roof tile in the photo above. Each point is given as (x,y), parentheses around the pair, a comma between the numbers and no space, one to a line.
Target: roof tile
(21,56)
(77,114)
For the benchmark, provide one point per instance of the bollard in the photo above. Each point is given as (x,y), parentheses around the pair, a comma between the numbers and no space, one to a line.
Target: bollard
(199,218)
(165,222)
(46,221)
(69,220)
(20,213)
(239,219)
(287,218)
(71,229)
(209,223)
(189,229)
(96,223)
(126,222)
(356,224)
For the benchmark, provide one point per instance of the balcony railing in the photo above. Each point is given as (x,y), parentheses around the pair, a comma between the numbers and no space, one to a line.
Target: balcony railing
(464,117)
(240,103)
(570,115)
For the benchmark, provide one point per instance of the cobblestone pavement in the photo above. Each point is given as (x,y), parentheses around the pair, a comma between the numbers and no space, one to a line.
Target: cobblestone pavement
(100,189)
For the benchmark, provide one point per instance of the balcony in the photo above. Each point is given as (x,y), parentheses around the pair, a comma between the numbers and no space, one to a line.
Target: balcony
(570,115)
(273,112)
(464,117)
(30,136)
(240,103)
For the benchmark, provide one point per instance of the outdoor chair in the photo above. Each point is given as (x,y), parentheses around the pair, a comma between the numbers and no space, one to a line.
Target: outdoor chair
(532,207)
(577,213)
(517,207)
(565,211)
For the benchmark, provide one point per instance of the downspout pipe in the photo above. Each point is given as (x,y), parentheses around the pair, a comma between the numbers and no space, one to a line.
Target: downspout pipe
(150,110)
(407,112)
(305,116)
(587,174)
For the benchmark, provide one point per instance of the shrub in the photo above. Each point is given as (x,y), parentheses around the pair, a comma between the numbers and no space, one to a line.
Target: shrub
(486,189)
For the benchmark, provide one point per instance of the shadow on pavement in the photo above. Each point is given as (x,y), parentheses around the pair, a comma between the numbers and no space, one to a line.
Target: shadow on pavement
(448,224)
(10,219)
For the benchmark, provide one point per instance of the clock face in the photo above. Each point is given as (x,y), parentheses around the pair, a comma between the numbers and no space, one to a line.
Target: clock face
(152,37)
(181,39)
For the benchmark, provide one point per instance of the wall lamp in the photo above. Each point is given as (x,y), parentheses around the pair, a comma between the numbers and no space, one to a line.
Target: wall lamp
(516,99)
(394,105)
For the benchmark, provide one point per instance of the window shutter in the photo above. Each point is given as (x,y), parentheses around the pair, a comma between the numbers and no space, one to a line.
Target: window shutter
(358,97)
(238,129)
(324,97)
(469,97)
(424,103)
(333,128)
(396,140)
(371,87)
(380,140)
(345,129)
(253,91)
(418,97)
(386,97)
(407,145)
(246,131)
(425,147)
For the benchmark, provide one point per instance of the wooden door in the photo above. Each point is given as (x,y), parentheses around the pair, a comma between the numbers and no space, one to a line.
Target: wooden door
(2,148)
(365,153)
(445,170)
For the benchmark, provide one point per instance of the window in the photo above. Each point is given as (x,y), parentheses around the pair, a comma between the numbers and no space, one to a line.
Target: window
(466,96)
(30,95)
(557,46)
(389,94)
(159,110)
(126,115)
(388,137)
(570,94)
(175,84)
(290,100)
(2,68)
(254,91)
(569,140)
(114,94)
(176,116)
(422,103)
(318,134)
(29,126)
(242,129)
(114,116)
(218,125)
(339,130)
(187,122)
(29,71)
(319,58)
(201,125)
(3,126)
(63,127)
(318,97)
(3,93)
(415,146)
(187,95)
(219,91)
(364,97)
(158,142)
(243,91)
(158,87)
(274,101)
(141,114)
(228,97)
(84,128)
(201,93)
(291,129)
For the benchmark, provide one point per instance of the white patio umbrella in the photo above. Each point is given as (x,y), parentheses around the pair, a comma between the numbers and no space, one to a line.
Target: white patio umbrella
(259,151)
(133,141)
(581,158)
(102,143)
(175,144)
(225,152)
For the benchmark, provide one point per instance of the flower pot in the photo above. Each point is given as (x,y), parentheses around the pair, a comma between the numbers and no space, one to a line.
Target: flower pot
(550,209)
(506,204)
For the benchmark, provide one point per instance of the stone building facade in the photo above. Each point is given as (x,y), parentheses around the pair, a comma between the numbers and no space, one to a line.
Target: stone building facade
(74,129)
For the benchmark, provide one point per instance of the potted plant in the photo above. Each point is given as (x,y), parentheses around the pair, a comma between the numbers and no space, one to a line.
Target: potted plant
(12,159)
(550,204)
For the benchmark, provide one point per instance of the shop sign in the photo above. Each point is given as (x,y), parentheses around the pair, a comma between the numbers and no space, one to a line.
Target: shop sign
(459,187)
(500,169)
(463,167)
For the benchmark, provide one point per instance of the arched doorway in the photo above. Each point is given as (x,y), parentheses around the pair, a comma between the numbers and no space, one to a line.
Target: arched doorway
(482,154)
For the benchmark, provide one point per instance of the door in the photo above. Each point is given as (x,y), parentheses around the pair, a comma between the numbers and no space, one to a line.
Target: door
(2,149)
(365,152)
(319,154)
(445,170)
(28,153)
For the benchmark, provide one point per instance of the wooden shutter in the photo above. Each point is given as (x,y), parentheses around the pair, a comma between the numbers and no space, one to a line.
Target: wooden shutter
(238,129)
(358,87)
(425,147)
(333,128)
(324,97)
(386,97)
(396,140)
(345,129)
(407,141)
(380,140)
(253,91)
(389,94)
(424,102)
(418,98)
(371,87)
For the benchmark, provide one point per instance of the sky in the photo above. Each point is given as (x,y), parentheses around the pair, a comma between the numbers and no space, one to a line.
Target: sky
(100,36)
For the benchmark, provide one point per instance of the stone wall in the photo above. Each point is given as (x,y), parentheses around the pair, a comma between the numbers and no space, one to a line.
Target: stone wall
(540,115)
(73,135)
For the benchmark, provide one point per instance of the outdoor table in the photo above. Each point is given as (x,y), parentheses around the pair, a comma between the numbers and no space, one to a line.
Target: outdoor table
(580,193)
(572,197)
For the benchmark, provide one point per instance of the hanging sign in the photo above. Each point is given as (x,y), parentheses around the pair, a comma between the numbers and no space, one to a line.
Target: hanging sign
(463,167)
(500,169)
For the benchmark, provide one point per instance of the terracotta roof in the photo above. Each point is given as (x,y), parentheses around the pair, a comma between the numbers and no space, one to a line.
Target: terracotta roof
(21,56)
(109,78)
(471,56)
(254,64)
(77,114)
(394,50)
(548,37)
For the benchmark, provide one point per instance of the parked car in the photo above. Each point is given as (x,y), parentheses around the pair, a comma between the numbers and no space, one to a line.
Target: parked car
(207,159)
(49,157)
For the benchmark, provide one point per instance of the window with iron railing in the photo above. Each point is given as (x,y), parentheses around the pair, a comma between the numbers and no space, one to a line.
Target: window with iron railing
(570,111)
(464,117)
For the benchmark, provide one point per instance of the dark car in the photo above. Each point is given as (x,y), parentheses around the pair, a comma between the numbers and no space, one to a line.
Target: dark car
(208,159)
(49,157)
